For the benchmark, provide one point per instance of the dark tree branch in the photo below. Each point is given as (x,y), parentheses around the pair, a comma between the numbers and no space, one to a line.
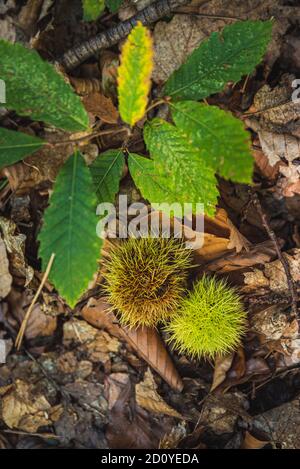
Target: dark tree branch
(75,56)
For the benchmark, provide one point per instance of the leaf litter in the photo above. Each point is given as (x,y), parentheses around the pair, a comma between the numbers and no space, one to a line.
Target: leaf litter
(82,381)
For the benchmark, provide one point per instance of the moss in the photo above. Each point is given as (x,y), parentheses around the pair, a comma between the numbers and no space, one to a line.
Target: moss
(211,320)
(146,279)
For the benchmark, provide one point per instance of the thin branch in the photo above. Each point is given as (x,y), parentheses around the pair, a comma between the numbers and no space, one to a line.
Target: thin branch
(20,335)
(89,136)
(105,39)
(281,256)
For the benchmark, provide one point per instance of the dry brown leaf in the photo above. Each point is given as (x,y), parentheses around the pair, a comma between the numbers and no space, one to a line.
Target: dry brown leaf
(29,15)
(175,40)
(278,333)
(85,86)
(97,343)
(146,342)
(39,168)
(15,245)
(114,385)
(229,262)
(263,165)
(222,365)
(26,410)
(102,107)
(291,184)
(220,413)
(250,442)
(272,275)
(5,277)
(39,324)
(172,439)
(237,241)
(97,313)
(109,63)
(146,396)
(149,345)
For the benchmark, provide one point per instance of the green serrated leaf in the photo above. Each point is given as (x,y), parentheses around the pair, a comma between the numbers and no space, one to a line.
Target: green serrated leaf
(92,9)
(14,146)
(152,186)
(106,172)
(113,5)
(221,138)
(69,231)
(178,168)
(36,90)
(134,74)
(223,57)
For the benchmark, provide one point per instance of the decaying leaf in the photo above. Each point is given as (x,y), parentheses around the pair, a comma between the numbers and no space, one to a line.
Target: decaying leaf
(98,344)
(40,168)
(40,324)
(5,277)
(175,40)
(277,111)
(272,275)
(250,442)
(147,397)
(172,439)
(222,365)
(15,244)
(278,332)
(220,413)
(145,341)
(25,409)
(102,107)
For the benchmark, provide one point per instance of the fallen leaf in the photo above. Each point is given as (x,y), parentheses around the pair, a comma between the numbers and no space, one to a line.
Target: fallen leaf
(250,442)
(272,275)
(277,111)
(220,413)
(176,39)
(146,342)
(5,277)
(172,439)
(147,397)
(39,324)
(24,409)
(229,262)
(130,426)
(40,168)
(96,343)
(29,15)
(15,246)
(222,365)
(102,107)
(291,184)
(263,165)
(114,385)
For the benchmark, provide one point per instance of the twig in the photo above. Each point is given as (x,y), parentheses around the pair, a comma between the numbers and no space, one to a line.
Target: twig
(90,136)
(280,255)
(20,335)
(148,15)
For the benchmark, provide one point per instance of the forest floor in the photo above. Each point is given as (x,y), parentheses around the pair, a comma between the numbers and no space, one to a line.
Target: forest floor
(79,380)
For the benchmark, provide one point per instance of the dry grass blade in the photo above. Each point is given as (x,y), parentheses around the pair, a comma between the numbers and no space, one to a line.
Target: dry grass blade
(21,333)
